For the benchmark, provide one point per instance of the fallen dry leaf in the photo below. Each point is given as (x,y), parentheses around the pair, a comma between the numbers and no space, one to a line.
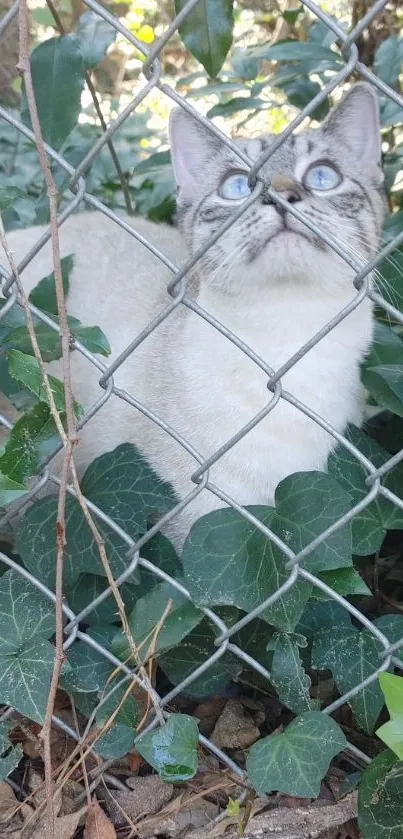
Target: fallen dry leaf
(12,814)
(234,729)
(97,823)
(145,797)
(65,827)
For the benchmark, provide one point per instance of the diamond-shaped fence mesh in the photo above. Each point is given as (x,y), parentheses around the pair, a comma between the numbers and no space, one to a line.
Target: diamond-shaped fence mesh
(177,296)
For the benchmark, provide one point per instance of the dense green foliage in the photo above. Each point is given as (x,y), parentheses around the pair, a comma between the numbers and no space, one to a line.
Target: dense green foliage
(227,565)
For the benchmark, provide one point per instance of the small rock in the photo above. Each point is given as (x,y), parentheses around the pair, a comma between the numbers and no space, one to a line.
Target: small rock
(234,729)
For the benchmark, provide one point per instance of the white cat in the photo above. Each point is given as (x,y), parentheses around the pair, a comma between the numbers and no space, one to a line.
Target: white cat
(268,280)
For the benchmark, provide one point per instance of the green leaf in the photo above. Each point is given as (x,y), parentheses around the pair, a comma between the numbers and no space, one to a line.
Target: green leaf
(237,104)
(380,803)
(392,732)
(116,741)
(344,581)
(227,561)
(369,526)
(296,761)
(207,32)
(25,369)
(307,503)
(388,60)
(148,612)
(25,678)
(300,93)
(119,737)
(36,543)
(122,484)
(172,749)
(10,490)
(10,756)
(26,658)
(43,296)
(48,340)
(93,36)
(9,195)
(182,661)
(322,616)
(382,370)
(86,588)
(58,78)
(389,279)
(33,438)
(25,613)
(352,656)
(89,670)
(92,337)
(297,51)
(288,675)
(392,627)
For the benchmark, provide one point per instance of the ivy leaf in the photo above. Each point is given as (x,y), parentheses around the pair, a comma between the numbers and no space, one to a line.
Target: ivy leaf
(227,561)
(58,78)
(10,490)
(344,581)
(43,296)
(123,485)
(11,755)
(207,32)
(288,675)
(26,658)
(351,656)
(33,438)
(93,36)
(392,627)
(321,616)
(181,662)
(25,369)
(8,197)
(118,739)
(89,669)
(382,369)
(296,761)
(306,504)
(380,805)
(392,732)
(369,526)
(24,613)
(86,588)
(25,678)
(36,544)
(146,615)
(389,279)
(172,749)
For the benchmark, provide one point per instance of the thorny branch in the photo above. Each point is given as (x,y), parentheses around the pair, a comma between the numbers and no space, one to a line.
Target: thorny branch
(68,437)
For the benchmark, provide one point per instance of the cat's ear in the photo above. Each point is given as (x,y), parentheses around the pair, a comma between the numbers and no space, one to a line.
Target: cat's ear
(354,124)
(192,145)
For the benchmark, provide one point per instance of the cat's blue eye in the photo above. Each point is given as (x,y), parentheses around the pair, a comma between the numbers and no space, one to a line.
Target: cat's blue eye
(235,187)
(321,177)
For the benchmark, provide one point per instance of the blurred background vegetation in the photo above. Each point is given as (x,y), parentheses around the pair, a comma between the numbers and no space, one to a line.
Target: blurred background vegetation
(280,57)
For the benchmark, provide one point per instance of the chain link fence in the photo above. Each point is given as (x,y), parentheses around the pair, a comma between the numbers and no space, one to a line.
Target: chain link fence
(177,296)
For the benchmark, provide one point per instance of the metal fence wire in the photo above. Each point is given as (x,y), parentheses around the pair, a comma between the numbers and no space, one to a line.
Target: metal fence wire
(151,79)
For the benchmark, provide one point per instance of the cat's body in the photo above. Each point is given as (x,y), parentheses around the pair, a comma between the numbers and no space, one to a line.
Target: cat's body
(274,292)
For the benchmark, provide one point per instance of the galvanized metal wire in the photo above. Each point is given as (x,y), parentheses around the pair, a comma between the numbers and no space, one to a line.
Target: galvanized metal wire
(177,296)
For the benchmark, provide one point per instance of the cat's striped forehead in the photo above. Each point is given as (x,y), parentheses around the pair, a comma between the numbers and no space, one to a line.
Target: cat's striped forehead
(304,145)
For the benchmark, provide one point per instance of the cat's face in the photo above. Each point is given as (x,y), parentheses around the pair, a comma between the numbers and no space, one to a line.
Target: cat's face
(331,175)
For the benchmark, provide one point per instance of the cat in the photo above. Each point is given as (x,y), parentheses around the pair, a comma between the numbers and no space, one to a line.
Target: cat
(268,279)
